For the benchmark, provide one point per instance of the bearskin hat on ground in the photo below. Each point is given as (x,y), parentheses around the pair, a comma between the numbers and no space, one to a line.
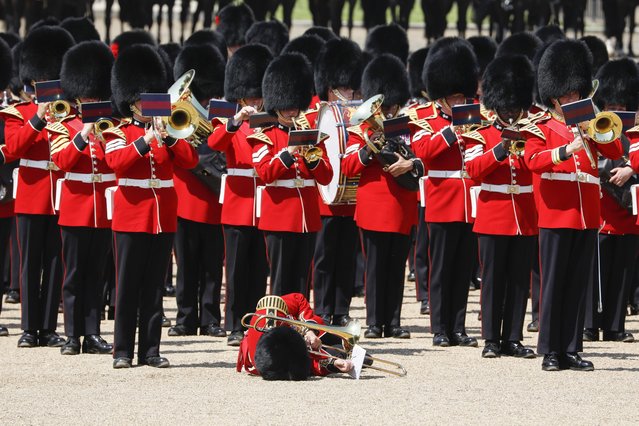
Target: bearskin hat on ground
(324,33)
(339,65)
(245,71)
(208,64)
(272,34)
(618,84)
(137,69)
(6,65)
(307,45)
(450,67)
(86,71)
(129,38)
(386,75)
(281,354)
(233,21)
(485,49)
(287,83)
(415,67)
(388,39)
(565,66)
(550,33)
(508,84)
(82,29)
(525,43)
(210,37)
(598,50)
(42,52)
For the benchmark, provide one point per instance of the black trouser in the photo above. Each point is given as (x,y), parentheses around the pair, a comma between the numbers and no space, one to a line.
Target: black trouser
(5,234)
(452,253)
(108,282)
(506,262)
(360,266)
(40,270)
(15,256)
(84,254)
(385,254)
(199,251)
(617,255)
(421,257)
(141,261)
(290,255)
(535,283)
(334,265)
(567,257)
(246,272)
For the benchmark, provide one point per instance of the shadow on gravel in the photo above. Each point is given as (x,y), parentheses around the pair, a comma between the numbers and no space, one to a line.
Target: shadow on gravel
(203,351)
(206,365)
(166,342)
(611,355)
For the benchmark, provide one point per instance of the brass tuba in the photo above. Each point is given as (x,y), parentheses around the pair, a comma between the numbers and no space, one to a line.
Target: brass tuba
(188,119)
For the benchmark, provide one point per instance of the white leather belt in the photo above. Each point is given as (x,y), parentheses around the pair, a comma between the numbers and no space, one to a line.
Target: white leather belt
(507,189)
(445,174)
(242,172)
(90,177)
(39,164)
(146,183)
(292,183)
(571,177)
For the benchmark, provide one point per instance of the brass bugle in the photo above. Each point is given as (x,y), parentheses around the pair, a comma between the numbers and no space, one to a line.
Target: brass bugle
(59,109)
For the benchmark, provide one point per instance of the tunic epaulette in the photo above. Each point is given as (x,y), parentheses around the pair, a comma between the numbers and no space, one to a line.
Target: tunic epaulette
(539,117)
(633,130)
(486,113)
(57,128)
(302,121)
(476,136)
(61,136)
(260,136)
(422,123)
(12,111)
(534,130)
(356,130)
(116,131)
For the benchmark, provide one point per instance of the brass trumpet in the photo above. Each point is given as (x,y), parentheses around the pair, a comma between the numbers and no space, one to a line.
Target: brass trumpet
(349,334)
(101,125)
(59,110)
(517,147)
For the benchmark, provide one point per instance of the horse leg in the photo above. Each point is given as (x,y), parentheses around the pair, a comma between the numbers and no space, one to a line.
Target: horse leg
(170,18)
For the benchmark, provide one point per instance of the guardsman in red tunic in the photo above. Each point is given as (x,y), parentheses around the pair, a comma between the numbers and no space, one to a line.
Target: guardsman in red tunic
(506,220)
(289,210)
(385,210)
(280,355)
(619,233)
(337,77)
(243,242)
(38,231)
(85,229)
(567,193)
(450,76)
(199,243)
(144,206)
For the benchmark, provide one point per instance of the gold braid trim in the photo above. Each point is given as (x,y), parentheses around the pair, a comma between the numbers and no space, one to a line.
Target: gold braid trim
(115,131)
(423,124)
(12,111)
(534,130)
(476,136)
(259,136)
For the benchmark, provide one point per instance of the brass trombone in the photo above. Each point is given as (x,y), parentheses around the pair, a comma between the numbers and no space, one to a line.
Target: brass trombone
(349,334)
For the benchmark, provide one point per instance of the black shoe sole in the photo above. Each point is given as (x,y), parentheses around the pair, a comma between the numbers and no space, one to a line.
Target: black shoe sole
(551,368)
(70,351)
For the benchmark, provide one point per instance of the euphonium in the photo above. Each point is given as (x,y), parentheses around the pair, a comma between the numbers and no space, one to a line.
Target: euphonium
(59,110)
(371,113)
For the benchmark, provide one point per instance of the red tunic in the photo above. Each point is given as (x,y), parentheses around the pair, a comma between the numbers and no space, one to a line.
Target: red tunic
(500,213)
(197,202)
(26,139)
(633,135)
(447,188)
(150,210)
(239,206)
(382,204)
(290,209)
(563,203)
(6,208)
(81,203)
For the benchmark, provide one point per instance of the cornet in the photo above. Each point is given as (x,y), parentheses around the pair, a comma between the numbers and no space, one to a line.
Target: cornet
(101,125)
(59,110)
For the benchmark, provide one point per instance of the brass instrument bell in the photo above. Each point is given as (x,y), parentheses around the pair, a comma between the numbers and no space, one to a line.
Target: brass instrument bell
(59,110)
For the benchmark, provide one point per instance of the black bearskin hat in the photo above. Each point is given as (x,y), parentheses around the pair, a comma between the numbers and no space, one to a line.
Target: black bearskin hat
(170,51)
(324,33)
(281,354)
(525,43)
(508,84)
(208,64)
(388,39)
(484,48)
(233,21)
(272,34)
(450,67)
(307,45)
(339,65)
(42,52)
(598,50)
(16,84)
(415,68)
(550,33)
(49,21)
(209,37)
(386,75)
(129,38)
(287,83)
(618,84)
(565,66)
(81,29)
(6,65)
(244,72)
(86,71)
(137,69)
(11,38)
